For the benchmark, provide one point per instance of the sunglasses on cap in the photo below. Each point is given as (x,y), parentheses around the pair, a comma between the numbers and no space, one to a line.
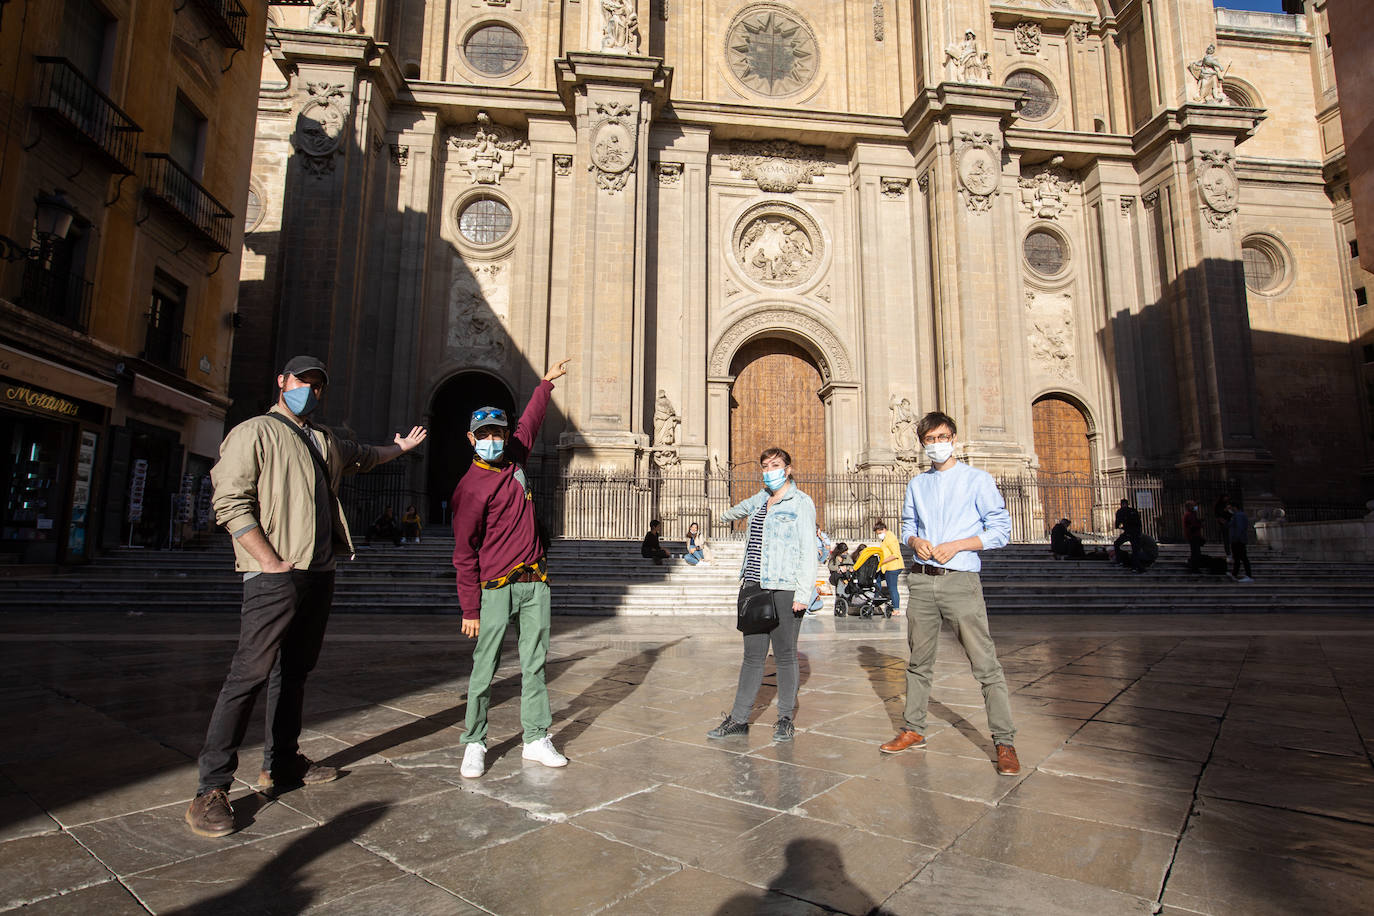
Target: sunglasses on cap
(494,414)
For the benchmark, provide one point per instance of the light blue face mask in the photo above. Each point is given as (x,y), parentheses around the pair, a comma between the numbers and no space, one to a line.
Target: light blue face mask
(775,478)
(300,401)
(490,449)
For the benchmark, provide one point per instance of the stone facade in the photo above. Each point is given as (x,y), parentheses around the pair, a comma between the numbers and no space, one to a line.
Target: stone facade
(1044,199)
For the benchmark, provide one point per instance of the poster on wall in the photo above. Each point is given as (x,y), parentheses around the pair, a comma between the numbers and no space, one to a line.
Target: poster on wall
(137,480)
(81,492)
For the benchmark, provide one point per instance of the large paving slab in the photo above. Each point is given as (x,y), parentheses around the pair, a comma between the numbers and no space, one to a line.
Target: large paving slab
(1200,764)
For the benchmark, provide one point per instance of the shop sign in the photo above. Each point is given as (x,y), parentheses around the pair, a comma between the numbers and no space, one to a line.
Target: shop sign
(39,400)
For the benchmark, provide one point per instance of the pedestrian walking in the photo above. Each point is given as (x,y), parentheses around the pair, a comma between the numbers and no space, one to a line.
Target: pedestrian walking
(499,558)
(952,512)
(779,562)
(1239,533)
(277,492)
(890,562)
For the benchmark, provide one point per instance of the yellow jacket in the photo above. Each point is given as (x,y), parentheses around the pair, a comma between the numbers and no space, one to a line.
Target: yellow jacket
(892,554)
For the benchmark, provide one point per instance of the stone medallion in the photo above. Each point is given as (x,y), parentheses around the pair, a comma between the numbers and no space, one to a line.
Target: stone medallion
(1219,188)
(771,51)
(778,245)
(613,147)
(320,125)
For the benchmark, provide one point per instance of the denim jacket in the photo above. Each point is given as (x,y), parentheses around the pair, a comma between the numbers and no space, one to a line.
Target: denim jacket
(789,541)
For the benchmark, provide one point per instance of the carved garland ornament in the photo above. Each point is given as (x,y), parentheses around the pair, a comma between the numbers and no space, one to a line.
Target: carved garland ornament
(1219,188)
(1046,192)
(831,356)
(879,26)
(486,151)
(979,168)
(895,188)
(614,141)
(320,126)
(778,245)
(778,166)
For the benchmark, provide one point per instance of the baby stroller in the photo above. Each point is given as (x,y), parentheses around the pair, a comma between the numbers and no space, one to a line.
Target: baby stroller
(861,588)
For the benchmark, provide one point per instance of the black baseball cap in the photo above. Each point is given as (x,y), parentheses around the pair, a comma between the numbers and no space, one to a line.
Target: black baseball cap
(488,416)
(299,365)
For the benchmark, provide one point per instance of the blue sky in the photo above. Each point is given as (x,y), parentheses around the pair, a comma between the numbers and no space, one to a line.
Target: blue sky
(1263,6)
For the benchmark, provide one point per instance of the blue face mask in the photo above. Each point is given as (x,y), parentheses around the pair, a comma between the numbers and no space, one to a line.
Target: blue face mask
(490,449)
(774,479)
(300,401)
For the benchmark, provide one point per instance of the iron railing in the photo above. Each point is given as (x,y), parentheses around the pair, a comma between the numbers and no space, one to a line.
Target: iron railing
(74,101)
(365,496)
(229,20)
(165,345)
(172,186)
(64,298)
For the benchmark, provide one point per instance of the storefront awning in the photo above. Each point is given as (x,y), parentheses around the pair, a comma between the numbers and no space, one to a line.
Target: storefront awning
(167,396)
(48,375)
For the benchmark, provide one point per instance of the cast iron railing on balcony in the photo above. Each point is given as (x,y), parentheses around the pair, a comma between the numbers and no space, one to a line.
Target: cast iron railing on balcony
(228,18)
(61,297)
(165,346)
(170,184)
(74,101)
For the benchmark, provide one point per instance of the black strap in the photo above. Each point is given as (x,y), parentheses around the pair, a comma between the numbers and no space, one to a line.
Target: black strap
(309,445)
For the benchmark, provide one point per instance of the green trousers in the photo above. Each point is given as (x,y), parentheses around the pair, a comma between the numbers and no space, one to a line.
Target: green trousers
(526,604)
(958,598)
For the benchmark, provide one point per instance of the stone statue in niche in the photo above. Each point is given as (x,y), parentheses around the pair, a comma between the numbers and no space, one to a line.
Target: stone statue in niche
(334,16)
(904,439)
(666,423)
(969,65)
(620,27)
(1209,75)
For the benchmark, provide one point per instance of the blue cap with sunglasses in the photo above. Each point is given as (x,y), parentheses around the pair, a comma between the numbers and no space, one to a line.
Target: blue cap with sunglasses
(487,416)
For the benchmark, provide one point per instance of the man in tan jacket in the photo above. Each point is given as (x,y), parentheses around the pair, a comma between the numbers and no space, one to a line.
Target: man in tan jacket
(277,493)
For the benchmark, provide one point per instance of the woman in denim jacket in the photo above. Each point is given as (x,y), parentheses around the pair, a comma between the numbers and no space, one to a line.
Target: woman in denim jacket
(780,558)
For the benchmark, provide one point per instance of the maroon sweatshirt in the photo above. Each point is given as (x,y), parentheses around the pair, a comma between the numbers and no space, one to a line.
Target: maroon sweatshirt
(493,512)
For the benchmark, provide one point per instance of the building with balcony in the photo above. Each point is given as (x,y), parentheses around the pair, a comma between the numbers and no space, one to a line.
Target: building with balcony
(126,146)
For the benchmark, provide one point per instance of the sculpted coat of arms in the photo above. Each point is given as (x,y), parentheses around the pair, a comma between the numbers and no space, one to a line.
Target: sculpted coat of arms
(486,151)
(980,168)
(613,142)
(1219,188)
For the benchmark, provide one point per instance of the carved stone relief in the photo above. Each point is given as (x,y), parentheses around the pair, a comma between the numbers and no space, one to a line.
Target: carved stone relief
(879,25)
(334,16)
(1127,205)
(400,155)
(614,144)
(771,50)
(1049,317)
(923,183)
(895,188)
(1027,37)
(486,151)
(666,424)
(778,245)
(979,168)
(479,306)
(619,27)
(669,173)
(1046,192)
(562,163)
(1219,188)
(320,126)
(905,442)
(779,166)
(1079,31)
(1151,200)
(831,356)
(967,64)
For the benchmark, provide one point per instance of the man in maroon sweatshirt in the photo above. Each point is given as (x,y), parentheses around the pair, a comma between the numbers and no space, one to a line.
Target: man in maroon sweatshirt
(501,576)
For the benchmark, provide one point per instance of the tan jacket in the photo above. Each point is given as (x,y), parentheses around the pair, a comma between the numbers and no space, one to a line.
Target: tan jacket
(266,477)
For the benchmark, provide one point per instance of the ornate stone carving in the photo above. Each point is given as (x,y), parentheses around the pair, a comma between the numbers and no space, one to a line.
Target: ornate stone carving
(923,183)
(731,288)
(400,155)
(562,163)
(666,423)
(879,25)
(669,173)
(979,168)
(486,151)
(777,165)
(614,144)
(895,188)
(1208,74)
(905,442)
(1127,205)
(830,354)
(967,63)
(770,50)
(1045,192)
(479,304)
(1049,317)
(663,10)
(778,245)
(334,16)
(1079,31)
(1151,200)
(1027,37)
(320,126)
(1219,188)
(619,27)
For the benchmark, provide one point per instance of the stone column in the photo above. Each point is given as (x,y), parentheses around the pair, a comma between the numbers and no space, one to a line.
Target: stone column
(611,97)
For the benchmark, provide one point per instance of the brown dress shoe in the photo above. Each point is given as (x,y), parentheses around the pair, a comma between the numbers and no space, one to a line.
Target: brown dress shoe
(904,741)
(211,814)
(1007,764)
(301,772)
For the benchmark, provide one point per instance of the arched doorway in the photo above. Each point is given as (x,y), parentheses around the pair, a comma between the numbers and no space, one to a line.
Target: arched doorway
(448,450)
(775,401)
(1063,443)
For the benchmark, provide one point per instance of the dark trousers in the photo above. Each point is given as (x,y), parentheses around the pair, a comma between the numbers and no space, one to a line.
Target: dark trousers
(1130,537)
(281,630)
(1239,556)
(1195,553)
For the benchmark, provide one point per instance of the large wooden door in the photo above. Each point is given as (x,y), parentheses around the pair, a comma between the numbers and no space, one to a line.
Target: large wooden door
(776,401)
(1061,441)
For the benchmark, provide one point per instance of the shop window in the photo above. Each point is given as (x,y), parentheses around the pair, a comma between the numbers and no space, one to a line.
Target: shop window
(165,344)
(32,469)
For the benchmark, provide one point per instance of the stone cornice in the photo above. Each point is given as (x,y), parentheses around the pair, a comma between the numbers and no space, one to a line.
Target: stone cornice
(648,73)
(1211,120)
(961,98)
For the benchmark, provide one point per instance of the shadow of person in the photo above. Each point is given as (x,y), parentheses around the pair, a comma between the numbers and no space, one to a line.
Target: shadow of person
(886,675)
(613,687)
(813,872)
(965,727)
(281,887)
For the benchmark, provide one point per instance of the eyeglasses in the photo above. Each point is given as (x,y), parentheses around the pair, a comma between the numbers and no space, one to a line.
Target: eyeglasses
(494,413)
(943,437)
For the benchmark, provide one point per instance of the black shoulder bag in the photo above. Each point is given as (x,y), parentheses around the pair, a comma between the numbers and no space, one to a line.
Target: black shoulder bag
(756,612)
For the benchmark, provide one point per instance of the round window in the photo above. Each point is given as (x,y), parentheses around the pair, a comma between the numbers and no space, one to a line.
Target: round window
(485,221)
(494,49)
(1266,267)
(1045,252)
(1040,99)
(253,211)
(771,51)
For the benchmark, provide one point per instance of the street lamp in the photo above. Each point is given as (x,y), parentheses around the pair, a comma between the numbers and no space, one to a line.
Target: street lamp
(53,221)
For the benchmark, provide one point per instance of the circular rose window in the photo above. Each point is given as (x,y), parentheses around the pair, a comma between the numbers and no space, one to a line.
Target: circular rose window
(494,49)
(771,51)
(1045,252)
(1040,100)
(485,221)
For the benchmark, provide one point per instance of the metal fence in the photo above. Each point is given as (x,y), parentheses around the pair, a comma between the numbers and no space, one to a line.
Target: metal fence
(366,496)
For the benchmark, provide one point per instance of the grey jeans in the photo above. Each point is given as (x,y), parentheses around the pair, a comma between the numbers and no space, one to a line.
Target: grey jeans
(783,639)
(958,598)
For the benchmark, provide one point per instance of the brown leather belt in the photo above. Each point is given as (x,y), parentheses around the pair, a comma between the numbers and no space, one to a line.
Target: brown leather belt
(929,570)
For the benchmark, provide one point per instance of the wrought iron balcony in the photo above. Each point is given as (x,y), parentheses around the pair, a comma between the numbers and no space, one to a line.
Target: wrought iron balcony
(165,346)
(172,186)
(61,297)
(67,97)
(228,18)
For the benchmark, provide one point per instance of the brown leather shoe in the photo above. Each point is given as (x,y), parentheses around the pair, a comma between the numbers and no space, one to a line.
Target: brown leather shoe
(905,740)
(301,772)
(211,814)
(1007,764)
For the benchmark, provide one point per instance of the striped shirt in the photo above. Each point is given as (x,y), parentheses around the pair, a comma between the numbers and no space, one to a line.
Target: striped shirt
(753,551)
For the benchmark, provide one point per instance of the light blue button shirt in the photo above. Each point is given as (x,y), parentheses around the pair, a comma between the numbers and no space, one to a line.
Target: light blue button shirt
(949,505)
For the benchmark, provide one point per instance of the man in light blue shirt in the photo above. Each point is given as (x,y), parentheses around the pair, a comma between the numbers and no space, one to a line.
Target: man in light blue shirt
(952,511)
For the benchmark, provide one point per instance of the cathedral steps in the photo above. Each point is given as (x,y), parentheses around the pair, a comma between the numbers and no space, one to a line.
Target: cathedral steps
(604,577)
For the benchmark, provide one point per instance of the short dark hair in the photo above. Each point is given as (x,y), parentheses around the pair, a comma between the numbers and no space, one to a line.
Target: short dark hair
(934,420)
(775,453)
(879,523)
(655,523)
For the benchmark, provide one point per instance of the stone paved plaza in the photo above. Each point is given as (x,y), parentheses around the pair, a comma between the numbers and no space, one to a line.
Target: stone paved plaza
(1208,764)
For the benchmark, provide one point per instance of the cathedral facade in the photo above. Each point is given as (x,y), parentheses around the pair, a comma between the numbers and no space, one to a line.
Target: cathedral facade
(1104,235)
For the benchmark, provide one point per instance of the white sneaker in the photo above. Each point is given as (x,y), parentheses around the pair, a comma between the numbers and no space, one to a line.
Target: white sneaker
(542,751)
(1245,579)
(474,760)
